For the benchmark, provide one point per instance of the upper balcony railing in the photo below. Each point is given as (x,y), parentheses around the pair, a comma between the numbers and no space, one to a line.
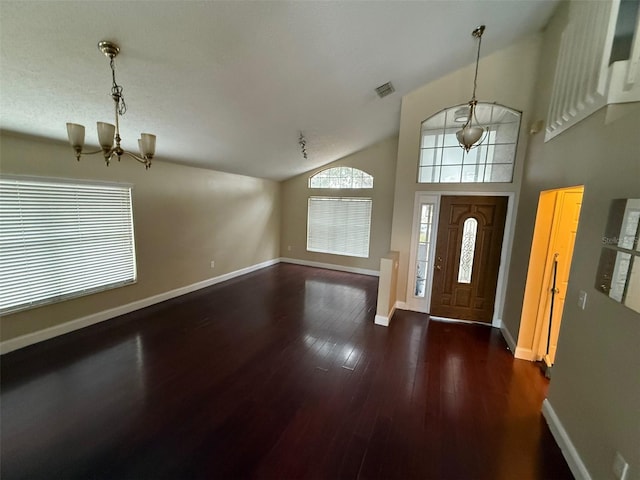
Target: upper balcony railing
(598,62)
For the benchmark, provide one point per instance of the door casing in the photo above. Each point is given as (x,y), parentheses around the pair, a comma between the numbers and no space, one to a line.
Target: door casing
(532,336)
(471,298)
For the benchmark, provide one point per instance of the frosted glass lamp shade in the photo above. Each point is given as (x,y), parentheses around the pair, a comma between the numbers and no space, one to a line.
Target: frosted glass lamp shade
(469,135)
(106,133)
(76,135)
(147,144)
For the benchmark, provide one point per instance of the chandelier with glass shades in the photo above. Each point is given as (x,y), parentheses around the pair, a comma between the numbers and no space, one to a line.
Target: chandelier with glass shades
(108,132)
(472,134)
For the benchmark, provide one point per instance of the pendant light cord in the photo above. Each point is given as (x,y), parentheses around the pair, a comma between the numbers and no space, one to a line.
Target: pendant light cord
(475,78)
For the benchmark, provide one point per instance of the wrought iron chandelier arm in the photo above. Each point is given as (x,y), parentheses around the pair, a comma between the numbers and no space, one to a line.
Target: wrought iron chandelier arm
(80,153)
(119,152)
(144,160)
(92,152)
(115,152)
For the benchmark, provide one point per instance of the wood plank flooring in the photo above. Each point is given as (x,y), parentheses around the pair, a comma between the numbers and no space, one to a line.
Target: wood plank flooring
(278,374)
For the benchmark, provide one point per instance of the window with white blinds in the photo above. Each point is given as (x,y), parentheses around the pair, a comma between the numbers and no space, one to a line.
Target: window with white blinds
(60,240)
(339,225)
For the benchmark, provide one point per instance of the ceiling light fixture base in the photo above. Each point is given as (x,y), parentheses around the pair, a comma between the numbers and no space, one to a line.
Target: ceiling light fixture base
(477,33)
(110,49)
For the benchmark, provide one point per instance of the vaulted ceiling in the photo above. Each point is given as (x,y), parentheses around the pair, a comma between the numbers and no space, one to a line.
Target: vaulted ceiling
(229,85)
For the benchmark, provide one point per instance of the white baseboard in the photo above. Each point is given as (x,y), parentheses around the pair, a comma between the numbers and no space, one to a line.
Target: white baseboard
(401,305)
(384,320)
(331,266)
(70,326)
(381,320)
(506,334)
(577,466)
(518,352)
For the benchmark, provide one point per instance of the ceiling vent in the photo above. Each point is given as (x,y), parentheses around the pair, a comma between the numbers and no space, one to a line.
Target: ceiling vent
(384,90)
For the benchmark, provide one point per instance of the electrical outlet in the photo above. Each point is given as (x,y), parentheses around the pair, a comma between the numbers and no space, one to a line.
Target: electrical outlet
(582,299)
(620,467)
(213,264)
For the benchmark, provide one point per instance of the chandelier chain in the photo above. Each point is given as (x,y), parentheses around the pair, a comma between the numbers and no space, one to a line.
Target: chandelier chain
(116,91)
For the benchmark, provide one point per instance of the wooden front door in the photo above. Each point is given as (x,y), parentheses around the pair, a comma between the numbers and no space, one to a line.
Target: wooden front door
(468,248)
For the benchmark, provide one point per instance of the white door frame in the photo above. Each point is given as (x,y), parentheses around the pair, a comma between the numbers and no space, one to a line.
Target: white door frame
(423,305)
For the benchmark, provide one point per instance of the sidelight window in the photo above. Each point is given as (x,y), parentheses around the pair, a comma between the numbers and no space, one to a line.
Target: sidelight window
(425,241)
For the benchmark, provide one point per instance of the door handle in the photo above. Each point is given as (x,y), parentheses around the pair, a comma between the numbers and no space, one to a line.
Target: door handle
(438,267)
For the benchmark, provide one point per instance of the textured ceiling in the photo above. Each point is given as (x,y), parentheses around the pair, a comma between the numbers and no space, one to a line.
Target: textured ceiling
(229,85)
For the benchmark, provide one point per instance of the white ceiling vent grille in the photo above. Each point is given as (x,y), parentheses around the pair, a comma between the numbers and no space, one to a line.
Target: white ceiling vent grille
(384,90)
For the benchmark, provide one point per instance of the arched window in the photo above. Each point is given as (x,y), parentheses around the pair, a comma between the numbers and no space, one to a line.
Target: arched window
(442,160)
(335,224)
(341,177)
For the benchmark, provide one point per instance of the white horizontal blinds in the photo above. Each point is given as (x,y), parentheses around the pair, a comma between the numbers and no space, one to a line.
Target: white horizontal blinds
(61,240)
(339,225)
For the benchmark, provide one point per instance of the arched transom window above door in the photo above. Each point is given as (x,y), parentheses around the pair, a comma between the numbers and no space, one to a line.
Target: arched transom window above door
(341,177)
(442,160)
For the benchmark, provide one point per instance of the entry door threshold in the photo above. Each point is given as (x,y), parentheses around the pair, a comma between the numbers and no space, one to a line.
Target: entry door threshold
(457,320)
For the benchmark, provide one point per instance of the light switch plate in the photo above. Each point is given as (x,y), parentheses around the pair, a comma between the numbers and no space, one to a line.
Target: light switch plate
(582,299)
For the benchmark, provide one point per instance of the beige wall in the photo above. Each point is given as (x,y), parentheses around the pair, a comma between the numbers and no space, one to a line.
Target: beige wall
(184,217)
(595,386)
(378,160)
(506,77)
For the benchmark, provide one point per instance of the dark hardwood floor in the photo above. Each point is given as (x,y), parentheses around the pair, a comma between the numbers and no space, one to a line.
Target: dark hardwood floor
(277,374)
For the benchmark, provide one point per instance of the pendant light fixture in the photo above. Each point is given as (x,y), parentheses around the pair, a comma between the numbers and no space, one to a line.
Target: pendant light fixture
(108,132)
(472,134)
